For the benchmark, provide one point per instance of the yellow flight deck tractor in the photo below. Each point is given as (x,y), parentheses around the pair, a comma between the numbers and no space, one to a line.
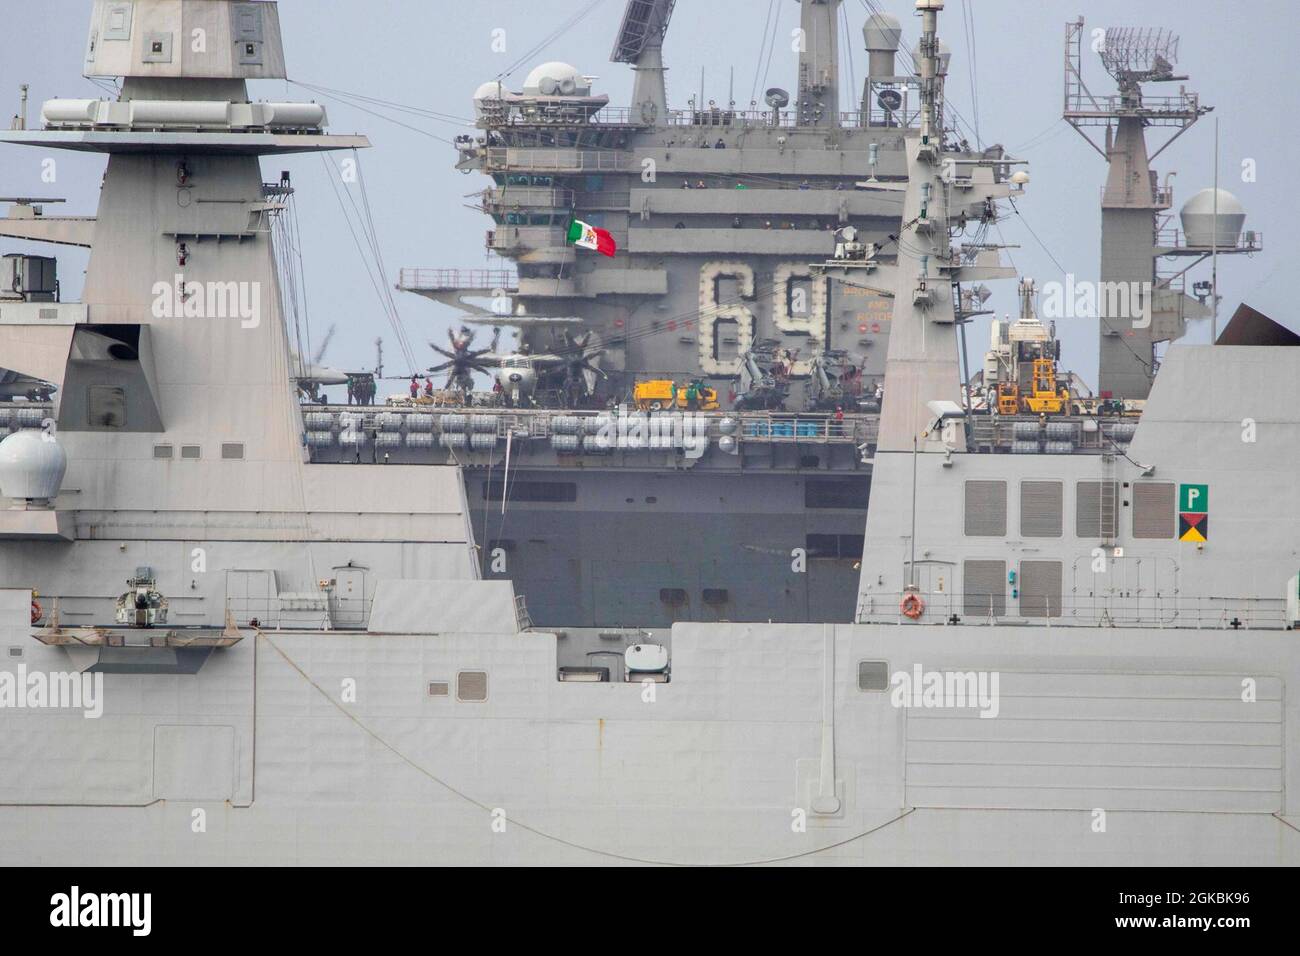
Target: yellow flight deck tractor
(1020,368)
(1045,397)
(658,394)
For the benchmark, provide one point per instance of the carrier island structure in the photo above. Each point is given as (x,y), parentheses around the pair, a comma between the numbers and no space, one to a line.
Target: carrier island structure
(326,676)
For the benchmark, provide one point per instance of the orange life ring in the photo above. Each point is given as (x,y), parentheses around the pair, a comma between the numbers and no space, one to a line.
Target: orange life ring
(36,611)
(912,606)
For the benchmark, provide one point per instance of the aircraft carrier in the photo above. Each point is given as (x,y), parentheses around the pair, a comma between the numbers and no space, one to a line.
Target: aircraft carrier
(577,621)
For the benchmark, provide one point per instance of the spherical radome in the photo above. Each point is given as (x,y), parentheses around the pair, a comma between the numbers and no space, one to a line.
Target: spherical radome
(556,79)
(1197,216)
(491,90)
(32,465)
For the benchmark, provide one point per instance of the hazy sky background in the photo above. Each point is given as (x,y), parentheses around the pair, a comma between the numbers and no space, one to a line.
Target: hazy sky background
(434,53)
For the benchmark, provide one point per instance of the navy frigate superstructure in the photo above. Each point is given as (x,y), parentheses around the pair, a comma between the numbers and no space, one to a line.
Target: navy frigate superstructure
(1033,675)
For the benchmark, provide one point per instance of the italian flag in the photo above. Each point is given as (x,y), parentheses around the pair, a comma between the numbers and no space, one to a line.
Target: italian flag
(589,237)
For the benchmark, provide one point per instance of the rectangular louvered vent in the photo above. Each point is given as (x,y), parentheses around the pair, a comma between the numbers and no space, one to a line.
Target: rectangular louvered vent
(984,588)
(439,688)
(986,509)
(873,675)
(1096,509)
(471,685)
(1040,509)
(1153,509)
(1040,588)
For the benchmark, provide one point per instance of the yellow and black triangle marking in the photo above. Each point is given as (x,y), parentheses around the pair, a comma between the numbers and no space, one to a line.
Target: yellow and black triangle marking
(1193,526)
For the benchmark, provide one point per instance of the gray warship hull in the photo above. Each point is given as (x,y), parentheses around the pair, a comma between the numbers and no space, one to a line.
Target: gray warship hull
(1052,658)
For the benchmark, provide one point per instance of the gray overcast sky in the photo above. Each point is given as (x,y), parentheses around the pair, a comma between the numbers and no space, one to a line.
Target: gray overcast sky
(434,53)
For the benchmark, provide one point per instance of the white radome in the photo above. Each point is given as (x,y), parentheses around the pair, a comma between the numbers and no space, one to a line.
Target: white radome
(1197,217)
(556,79)
(32,466)
(491,90)
(882,32)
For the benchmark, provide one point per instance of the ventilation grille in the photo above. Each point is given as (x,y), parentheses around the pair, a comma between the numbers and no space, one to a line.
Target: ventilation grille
(190,451)
(986,509)
(873,675)
(471,685)
(984,588)
(439,688)
(1096,509)
(1041,504)
(1153,509)
(164,451)
(1040,588)
(232,450)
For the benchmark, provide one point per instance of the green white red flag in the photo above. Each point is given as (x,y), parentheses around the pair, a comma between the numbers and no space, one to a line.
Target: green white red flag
(590,237)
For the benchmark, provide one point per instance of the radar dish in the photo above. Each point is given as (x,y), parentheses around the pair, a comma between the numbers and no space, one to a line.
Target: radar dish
(1141,54)
(777,98)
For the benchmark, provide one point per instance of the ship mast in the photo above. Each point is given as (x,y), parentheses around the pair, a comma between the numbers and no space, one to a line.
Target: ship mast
(922,361)
(941,187)
(641,43)
(1133,198)
(819,63)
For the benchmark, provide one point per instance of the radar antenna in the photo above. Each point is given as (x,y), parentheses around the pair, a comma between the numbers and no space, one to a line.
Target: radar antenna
(644,22)
(1134,203)
(1134,55)
(640,42)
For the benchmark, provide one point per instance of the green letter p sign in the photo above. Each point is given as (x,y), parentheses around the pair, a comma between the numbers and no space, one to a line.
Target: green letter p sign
(1194,498)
